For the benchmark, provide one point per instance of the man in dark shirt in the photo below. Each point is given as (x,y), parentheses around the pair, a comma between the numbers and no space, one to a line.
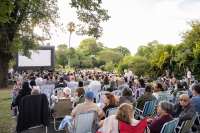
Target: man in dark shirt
(61,84)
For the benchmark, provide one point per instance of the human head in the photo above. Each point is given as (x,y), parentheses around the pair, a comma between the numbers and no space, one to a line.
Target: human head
(66,91)
(184,100)
(125,71)
(196,82)
(126,92)
(106,80)
(112,84)
(187,69)
(180,85)
(35,91)
(37,75)
(61,79)
(90,77)
(46,76)
(121,81)
(51,77)
(18,83)
(80,91)
(96,77)
(165,107)
(148,89)
(185,85)
(196,89)
(125,79)
(72,78)
(89,95)
(25,86)
(86,79)
(109,99)
(125,113)
(158,87)
(59,94)
(32,83)
(141,82)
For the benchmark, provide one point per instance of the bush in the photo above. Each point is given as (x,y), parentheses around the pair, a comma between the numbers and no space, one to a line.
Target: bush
(110,66)
(102,67)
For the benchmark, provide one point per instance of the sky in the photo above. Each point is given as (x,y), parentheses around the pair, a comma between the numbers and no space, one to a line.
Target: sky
(133,22)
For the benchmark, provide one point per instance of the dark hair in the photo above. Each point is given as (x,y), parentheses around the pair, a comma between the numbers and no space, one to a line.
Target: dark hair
(32,83)
(126,91)
(80,84)
(160,86)
(131,83)
(180,85)
(90,77)
(61,79)
(25,86)
(185,84)
(106,80)
(97,77)
(196,87)
(141,82)
(80,91)
(125,79)
(37,75)
(148,88)
(51,77)
(45,76)
(148,80)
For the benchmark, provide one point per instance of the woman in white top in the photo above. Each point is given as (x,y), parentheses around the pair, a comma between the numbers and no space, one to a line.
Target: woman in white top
(124,113)
(126,74)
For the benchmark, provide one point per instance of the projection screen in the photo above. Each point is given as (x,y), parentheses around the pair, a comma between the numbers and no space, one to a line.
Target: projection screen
(42,58)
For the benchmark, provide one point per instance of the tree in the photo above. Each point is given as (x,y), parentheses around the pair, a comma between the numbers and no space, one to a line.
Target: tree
(71,28)
(18,17)
(108,56)
(62,54)
(110,66)
(123,50)
(90,46)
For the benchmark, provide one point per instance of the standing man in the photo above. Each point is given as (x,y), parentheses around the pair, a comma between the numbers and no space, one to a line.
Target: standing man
(189,76)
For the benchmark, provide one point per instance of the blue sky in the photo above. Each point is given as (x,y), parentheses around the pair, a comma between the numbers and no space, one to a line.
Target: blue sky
(134,22)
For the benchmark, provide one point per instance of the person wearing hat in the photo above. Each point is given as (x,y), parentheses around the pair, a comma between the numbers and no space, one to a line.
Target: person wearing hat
(88,105)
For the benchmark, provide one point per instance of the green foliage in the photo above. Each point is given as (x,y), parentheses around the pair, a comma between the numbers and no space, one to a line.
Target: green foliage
(109,56)
(102,67)
(12,63)
(123,50)
(110,66)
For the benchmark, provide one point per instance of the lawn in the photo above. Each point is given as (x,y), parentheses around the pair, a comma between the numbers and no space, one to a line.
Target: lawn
(7,120)
(73,69)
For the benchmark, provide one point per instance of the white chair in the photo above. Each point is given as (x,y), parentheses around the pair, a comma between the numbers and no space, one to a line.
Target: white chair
(140,91)
(105,87)
(100,96)
(86,88)
(116,92)
(95,89)
(73,90)
(84,122)
(111,111)
(46,89)
(55,93)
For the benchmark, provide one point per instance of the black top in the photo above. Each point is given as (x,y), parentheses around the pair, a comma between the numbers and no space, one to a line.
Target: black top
(126,99)
(110,90)
(60,85)
(105,109)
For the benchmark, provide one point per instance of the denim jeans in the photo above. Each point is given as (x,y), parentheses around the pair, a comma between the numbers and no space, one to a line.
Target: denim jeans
(14,95)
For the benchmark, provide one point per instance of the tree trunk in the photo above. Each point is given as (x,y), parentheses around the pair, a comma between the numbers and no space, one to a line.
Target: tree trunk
(63,66)
(4,66)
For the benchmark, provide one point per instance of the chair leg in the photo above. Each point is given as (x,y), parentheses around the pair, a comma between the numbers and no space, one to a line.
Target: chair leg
(46,129)
(55,125)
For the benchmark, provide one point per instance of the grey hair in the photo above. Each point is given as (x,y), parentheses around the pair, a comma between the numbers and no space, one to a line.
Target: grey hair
(86,78)
(167,107)
(35,91)
(112,84)
(121,79)
(196,82)
(72,78)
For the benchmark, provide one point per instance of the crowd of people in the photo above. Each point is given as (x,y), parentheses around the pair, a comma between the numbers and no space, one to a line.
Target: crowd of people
(30,83)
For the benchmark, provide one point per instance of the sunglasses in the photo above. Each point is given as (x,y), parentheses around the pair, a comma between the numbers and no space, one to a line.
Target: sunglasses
(183,100)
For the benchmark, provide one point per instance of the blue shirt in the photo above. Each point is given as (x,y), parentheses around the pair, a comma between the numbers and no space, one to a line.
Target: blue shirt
(122,86)
(196,101)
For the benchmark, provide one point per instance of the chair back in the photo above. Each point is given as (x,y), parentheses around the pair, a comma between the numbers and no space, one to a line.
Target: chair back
(100,96)
(73,90)
(125,128)
(40,83)
(105,87)
(95,89)
(149,108)
(186,125)
(46,89)
(86,88)
(178,95)
(170,126)
(85,121)
(111,111)
(139,91)
(56,90)
(116,92)
(62,108)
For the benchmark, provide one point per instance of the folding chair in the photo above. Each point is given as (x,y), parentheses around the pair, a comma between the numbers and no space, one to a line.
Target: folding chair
(178,95)
(100,96)
(139,91)
(140,128)
(84,122)
(116,92)
(95,89)
(86,88)
(111,111)
(148,109)
(29,105)
(169,127)
(186,125)
(46,89)
(105,87)
(61,109)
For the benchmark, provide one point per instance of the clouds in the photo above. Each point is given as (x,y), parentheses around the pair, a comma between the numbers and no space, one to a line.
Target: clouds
(135,22)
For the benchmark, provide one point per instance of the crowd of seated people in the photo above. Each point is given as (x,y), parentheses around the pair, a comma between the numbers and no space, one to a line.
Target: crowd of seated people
(74,84)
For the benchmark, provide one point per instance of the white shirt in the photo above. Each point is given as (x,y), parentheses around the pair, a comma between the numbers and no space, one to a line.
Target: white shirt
(188,74)
(94,83)
(130,73)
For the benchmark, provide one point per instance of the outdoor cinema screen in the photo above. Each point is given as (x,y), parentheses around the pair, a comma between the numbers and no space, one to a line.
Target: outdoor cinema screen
(41,58)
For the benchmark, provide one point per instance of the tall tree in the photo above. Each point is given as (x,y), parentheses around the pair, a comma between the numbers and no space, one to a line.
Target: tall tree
(123,50)
(108,56)
(71,28)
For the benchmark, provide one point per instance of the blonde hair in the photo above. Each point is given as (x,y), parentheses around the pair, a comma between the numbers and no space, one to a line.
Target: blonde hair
(35,90)
(59,94)
(124,113)
(125,71)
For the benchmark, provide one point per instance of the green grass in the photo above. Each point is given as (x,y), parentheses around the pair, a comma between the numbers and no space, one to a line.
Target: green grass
(73,69)
(7,123)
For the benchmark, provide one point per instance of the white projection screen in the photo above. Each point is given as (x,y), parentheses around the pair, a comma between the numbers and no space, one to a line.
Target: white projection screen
(42,58)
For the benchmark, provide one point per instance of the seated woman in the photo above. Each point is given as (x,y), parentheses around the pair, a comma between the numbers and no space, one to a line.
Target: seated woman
(109,102)
(112,86)
(126,97)
(33,84)
(79,96)
(124,114)
(35,91)
(105,82)
(165,109)
(59,95)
